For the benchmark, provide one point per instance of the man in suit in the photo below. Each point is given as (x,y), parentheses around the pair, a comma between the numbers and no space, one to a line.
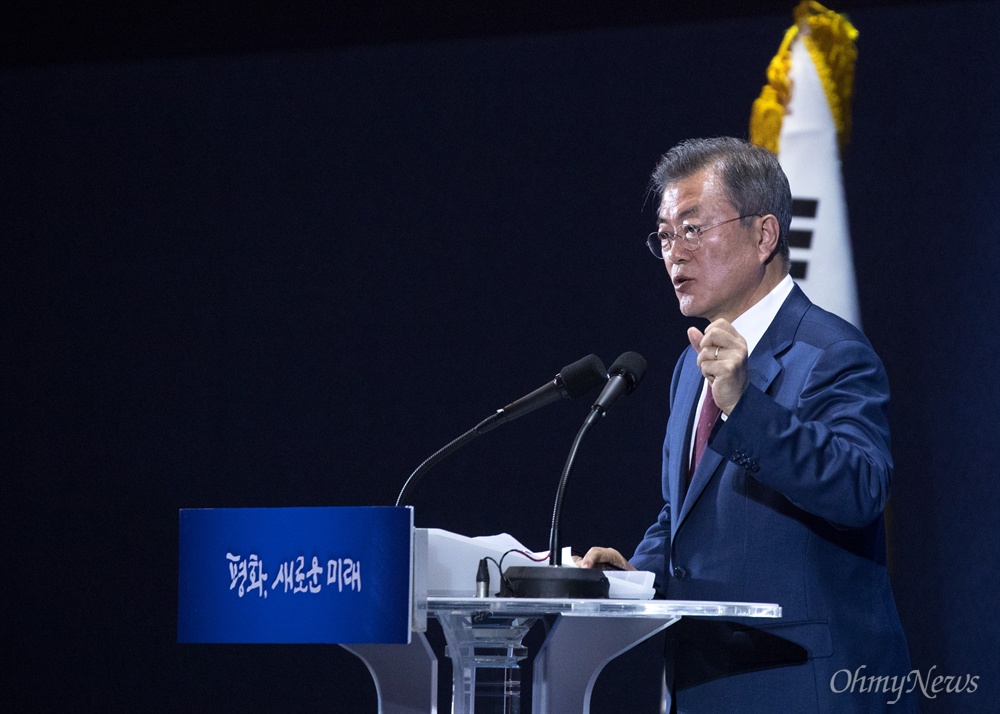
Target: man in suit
(776,463)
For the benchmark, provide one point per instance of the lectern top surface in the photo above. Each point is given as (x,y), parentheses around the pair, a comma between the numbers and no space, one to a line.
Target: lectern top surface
(603,608)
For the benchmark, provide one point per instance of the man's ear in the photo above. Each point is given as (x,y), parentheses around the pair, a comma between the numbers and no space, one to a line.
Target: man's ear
(767,238)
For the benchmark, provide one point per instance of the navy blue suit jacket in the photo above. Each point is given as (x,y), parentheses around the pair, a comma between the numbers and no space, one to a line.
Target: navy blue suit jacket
(785,507)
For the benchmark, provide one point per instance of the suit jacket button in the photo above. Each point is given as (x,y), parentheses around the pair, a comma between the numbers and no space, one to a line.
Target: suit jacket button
(680,573)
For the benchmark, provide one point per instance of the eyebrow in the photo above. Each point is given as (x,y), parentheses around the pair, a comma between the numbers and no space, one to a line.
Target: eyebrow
(683,214)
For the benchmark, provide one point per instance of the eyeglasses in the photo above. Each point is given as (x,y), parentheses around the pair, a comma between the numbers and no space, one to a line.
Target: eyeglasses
(660,244)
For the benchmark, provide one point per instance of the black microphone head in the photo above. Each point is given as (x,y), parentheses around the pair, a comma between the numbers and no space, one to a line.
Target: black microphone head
(583,375)
(632,366)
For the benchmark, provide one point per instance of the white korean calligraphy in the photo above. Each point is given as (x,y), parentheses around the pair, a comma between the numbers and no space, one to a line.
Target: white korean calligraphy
(247,574)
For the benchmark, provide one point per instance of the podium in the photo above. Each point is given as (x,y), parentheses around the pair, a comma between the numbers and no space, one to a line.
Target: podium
(484,636)
(357,577)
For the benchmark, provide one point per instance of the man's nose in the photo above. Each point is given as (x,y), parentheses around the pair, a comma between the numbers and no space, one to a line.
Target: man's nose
(678,253)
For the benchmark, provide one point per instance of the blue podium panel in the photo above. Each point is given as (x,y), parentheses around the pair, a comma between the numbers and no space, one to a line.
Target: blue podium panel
(295,575)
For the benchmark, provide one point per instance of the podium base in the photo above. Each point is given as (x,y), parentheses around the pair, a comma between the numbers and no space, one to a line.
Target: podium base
(553,582)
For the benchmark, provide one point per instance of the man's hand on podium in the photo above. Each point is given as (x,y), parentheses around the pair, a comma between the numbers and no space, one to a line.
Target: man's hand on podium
(603,559)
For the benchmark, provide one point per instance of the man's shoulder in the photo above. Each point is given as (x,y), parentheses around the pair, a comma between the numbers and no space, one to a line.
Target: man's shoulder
(823,328)
(817,326)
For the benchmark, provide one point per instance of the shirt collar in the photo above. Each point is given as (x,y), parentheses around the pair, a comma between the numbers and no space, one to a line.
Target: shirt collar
(753,323)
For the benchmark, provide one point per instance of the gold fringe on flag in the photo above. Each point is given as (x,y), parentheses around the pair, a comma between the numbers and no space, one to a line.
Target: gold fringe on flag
(830,39)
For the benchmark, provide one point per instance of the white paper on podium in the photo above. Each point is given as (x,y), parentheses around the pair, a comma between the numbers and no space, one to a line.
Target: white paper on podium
(453,560)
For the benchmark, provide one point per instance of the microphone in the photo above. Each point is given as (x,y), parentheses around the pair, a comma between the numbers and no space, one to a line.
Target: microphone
(623,377)
(554,581)
(573,380)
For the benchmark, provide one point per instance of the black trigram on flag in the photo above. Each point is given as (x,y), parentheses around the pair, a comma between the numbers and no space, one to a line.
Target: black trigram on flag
(801,237)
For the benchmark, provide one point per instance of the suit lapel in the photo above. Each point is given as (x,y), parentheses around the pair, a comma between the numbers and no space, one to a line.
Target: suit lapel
(763,363)
(710,461)
(684,403)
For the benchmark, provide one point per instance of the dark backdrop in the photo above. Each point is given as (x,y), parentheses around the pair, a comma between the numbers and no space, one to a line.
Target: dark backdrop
(285,278)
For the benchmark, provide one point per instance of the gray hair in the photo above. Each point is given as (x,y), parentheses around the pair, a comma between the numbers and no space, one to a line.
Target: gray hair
(752,177)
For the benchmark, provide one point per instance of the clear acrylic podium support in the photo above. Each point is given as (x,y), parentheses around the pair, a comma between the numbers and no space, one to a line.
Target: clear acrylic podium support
(486,650)
(484,637)
(406,676)
(560,688)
